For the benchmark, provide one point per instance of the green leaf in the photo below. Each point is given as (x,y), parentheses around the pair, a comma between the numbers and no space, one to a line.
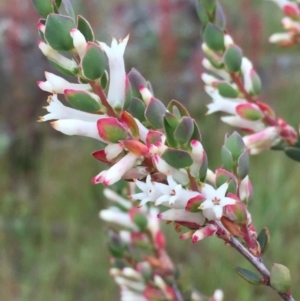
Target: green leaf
(57,33)
(248,275)
(256,83)
(264,239)
(209,5)
(136,80)
(83,100)
(93,62)
(69,8)
(227,90)
(280,278)
(177,158)
(203,169)
(171,119)
(243,165)
(235,144)
(293,153)
(104,80)
(213,37)
(169,131)
(202,14)
(57,3)
(184,130)
(141,221)
(196,134)
(220,19)
(43,7)
(137,109)
(233,58)
(223,176)
(85,28)
(154,113)
(175,106)
(227,160)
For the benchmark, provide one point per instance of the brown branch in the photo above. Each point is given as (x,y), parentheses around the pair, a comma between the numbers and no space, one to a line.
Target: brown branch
(255,261)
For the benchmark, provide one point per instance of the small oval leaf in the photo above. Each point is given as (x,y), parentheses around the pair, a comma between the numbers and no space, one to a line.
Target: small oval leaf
(248,275)
(177,158)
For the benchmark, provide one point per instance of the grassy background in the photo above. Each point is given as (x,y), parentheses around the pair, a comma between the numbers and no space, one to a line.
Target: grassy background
(52,243)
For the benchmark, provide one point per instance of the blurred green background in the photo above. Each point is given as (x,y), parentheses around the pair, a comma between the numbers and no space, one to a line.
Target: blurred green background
(52,243)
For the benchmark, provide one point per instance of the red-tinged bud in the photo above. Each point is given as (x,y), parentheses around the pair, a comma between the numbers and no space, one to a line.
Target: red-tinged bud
(146,94)
(236,212)
(232,227)
(287,132)
(291,10)
(135,147)
(41,27)
(153,137)
(101,156)
(160,240)
(245,190)
(207,231)
(266,109)
(187,235)
(194,203)
(110,129)
(130,122)
(249,111)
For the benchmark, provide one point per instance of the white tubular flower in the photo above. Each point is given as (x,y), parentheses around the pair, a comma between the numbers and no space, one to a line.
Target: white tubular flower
(143,131)
(58,111)
(289,24)
(211,176)
(281,38)
(180,176)
(246,69)
(116,91)
(181,215)
(220,103)
(209,79)
(57,58)
(79,41)
(218,295)
(212,207)
(204,232)
(115,173)
(131,295)
(76,127)
(263,140)
(146,94)
(239,122)
(116,216)
(56,84)
(197,157)
(114,197)
(113,150)
(220,72)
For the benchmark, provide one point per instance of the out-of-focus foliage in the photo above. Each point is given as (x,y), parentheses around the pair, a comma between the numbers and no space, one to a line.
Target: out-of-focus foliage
(52,244)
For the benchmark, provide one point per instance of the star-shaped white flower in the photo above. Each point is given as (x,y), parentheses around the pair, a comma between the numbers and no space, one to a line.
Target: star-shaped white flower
(215,200)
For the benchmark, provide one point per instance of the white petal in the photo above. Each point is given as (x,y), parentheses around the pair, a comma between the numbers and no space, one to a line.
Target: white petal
(209,191)
(220,192)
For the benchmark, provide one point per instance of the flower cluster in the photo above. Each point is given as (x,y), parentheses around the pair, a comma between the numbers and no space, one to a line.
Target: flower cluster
(157,149)
(146,277)
(234,90)
(290,22)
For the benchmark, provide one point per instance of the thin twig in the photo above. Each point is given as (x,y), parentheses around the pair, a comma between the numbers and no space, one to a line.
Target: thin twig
(255,261)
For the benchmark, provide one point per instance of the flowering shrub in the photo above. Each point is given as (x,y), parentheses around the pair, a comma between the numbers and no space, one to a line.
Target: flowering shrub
(157,149)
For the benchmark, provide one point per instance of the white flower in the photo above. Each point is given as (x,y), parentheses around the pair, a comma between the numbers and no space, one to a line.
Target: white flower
(57,58)
(246,69)
(197,156)
(58,111)
(263,140)
(79,41)
(77,127)
(115,173)
(220,103)
(239,122)
(284,38)
(215,200)
(56,84)
(183,216)
(116,91)
(115,215)
(220,72)
(171,195)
